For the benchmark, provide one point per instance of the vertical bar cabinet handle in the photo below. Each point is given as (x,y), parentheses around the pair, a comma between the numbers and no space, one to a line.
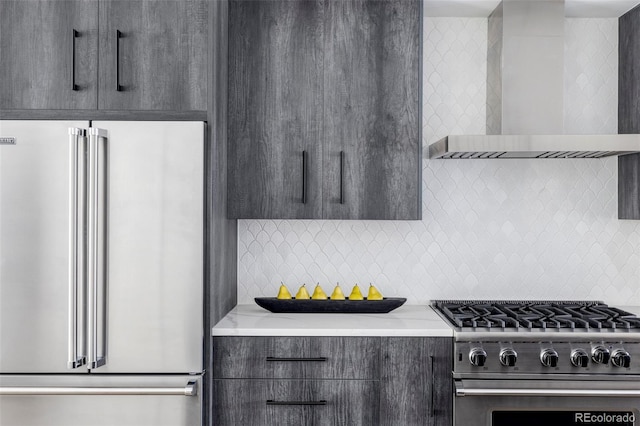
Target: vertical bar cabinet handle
(76,227)
(341,177)
(118,37)
(96,242)
(433,399)
(75,34)
(304,177)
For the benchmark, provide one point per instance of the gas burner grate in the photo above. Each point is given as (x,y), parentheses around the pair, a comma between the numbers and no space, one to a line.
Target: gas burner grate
(513,314)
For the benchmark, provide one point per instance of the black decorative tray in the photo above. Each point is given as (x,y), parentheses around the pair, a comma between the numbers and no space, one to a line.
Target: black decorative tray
(310,306)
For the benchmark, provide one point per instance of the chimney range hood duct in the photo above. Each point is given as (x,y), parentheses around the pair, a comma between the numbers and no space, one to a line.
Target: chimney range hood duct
(525,89)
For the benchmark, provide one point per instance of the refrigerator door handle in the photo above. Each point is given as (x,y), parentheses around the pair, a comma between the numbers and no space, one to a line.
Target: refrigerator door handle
(77,139)
(191,389)
(97,247)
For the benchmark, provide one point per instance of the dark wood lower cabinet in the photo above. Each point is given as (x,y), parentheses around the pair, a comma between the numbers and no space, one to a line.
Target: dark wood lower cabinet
(296,402)
(416,383)
(297,358)
(395,381)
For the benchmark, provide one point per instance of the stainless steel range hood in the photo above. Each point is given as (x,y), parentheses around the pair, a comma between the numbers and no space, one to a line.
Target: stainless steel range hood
(525,89)
(534,146)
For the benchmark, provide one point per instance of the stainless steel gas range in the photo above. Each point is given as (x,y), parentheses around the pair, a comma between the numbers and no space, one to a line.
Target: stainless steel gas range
(560,363)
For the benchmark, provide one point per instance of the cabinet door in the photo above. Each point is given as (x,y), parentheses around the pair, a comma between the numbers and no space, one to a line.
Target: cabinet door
(628,109)
(153,55)
(43,57)
(372,151)
(275,109)
(296,357)
(296,402)
(416,383)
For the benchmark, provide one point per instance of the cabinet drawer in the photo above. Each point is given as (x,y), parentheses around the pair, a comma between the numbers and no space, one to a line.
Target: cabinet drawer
(296,357)
(296,402)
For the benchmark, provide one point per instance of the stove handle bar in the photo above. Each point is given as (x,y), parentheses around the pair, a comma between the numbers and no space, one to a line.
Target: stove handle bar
(630,393)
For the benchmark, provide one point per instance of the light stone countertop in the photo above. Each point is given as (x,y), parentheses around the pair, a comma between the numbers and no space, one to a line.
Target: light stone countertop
(631,309)
(406,321)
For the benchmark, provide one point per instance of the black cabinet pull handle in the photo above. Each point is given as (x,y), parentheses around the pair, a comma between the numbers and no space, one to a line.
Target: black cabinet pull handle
(433,400)
(315,359)
(118,37)
(304,177)
(75,34)
(272,402)
(341,177)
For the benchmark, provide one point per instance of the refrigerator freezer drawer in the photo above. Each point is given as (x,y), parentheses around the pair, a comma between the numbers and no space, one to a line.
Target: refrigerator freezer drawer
(102,400)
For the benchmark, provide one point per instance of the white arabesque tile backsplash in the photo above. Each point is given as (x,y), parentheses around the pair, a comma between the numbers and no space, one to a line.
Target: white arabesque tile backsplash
(498,229)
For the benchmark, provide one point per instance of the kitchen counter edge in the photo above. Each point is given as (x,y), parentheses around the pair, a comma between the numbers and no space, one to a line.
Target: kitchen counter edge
(406,321)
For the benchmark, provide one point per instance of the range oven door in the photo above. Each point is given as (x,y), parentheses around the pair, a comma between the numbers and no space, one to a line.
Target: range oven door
(547,402)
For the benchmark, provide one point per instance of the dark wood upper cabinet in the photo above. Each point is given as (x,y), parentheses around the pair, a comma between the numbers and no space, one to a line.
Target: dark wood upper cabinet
(41,57)
(275,109)
(629,112)
(153,55)
(59,54)
(335,82)
(372,161)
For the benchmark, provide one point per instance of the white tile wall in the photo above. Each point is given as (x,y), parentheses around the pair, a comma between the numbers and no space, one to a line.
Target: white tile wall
(591,76)
(490,229)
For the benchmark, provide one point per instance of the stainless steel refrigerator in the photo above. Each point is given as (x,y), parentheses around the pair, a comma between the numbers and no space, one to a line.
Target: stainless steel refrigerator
(101,273)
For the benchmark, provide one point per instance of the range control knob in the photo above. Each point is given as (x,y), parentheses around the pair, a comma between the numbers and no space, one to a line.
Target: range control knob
(600,355)
(579,358)
(508,357)
(621,358)
(477,357)
(549,357)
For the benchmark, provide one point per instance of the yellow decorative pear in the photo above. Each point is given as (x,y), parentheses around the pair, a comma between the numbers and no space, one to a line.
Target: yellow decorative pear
(318,293)
(302,293)
(356,294)
(337,293)
(374,294)
(283,293)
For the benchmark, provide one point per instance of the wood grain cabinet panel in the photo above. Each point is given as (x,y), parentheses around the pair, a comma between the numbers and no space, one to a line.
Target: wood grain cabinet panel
(65,55)
(372,151)
(296,402)
(339,81)
(41,57)
(364,381)
(629,112)
(416,383)
(296,357)
(159,60)
(275,109)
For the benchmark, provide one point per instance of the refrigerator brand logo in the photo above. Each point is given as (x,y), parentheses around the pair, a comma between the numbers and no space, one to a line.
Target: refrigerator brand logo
(7,141)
